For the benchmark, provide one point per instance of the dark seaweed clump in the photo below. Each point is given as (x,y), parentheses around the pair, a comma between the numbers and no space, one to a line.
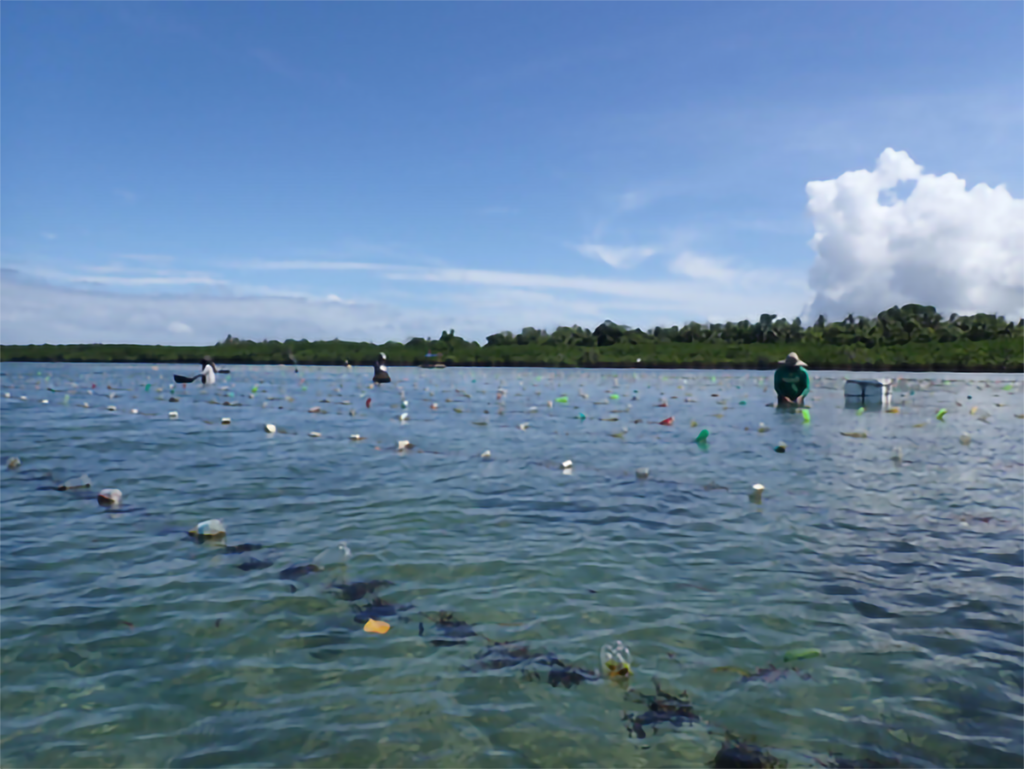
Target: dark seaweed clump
(454,631)
(569,676)
(294,572)
(841,762)
(741,755)
(354,591)
(242,548)
(513,654)
(662,708)
(251,564)
(377,608)
(503,654)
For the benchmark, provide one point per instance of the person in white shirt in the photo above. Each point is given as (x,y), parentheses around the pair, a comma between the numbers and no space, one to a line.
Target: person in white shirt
(209,371)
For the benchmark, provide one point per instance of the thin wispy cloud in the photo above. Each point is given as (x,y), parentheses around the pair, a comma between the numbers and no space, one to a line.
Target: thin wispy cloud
(702,268)
(617,256)
(49,236)
(149,280)
(305,265)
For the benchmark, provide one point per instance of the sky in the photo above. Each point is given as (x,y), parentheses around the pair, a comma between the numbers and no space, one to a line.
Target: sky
(176,172)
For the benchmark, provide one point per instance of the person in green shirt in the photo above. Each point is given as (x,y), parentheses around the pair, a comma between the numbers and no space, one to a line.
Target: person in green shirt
(792,382)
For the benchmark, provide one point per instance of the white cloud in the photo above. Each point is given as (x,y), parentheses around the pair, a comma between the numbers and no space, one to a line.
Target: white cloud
(701,268)
(177,327)
(960,250)
(616,257)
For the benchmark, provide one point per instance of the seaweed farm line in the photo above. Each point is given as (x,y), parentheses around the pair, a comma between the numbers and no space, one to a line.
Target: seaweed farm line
(440,571)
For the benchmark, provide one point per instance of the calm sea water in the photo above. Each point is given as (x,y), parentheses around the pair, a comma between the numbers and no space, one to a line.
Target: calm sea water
(126,644)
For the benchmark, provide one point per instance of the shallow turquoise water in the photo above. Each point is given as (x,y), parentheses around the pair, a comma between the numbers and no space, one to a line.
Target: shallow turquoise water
(125,644)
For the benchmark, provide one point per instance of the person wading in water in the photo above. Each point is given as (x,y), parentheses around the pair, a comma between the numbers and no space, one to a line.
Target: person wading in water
(380,370)
(792,382)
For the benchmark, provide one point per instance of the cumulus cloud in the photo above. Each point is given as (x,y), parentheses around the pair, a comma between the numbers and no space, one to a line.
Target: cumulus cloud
(616,257)
(958,249)
(177,327)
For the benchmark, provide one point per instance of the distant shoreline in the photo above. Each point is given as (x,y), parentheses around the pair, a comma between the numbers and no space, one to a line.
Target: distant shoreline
(989,356)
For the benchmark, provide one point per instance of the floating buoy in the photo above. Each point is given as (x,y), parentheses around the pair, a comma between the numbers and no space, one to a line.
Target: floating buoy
(801,654)
(781,448)
(965,439)
(225,420)
(702,437)
(567,464)
(111,408)
(269,428)
(755,493)
(486,454)
(355,437)
(44,400)
(314,410)
(403,445)
(135,411)
(668,422)
(81,482)
(941,414)
(523,425)
(403,417)
(762,428)
(376,626)
(897,455)
(643,473)
(110,497)
(433,406)
(617,660)
(211,529)
(172,414)
(13,463)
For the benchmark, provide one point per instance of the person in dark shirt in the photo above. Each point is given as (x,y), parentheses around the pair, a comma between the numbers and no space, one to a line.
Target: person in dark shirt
(792,382)
(380,370)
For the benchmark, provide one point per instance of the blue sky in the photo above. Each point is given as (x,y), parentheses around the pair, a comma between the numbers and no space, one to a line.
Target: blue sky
(173,173)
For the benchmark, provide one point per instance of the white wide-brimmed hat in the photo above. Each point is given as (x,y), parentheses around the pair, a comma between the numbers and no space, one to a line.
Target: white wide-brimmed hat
(793,360)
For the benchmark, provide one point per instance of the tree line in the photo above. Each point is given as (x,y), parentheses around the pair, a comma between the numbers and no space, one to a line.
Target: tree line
(913,338)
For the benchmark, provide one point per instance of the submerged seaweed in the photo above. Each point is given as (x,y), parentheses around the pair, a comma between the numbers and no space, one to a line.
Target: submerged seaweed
(662,708)
(735,754)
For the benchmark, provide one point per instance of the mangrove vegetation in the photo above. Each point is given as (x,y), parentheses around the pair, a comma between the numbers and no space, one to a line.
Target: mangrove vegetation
(909,338)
